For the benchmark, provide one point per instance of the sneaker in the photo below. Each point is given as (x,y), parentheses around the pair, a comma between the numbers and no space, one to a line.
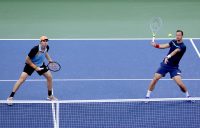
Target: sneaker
(52,98)
(146,98)
(10,101)
(192,101)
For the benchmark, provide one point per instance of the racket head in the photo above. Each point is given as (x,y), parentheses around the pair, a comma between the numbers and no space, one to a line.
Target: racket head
(155,25)
(54,66)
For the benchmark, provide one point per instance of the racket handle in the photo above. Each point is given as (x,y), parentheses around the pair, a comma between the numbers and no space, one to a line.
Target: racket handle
(41,69)
(153,39)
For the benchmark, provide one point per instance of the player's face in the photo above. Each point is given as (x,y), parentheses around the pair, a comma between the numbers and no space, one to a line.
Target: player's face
(179,36)
(44,43)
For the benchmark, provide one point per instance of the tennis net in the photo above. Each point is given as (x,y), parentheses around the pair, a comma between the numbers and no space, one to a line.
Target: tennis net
(113,113)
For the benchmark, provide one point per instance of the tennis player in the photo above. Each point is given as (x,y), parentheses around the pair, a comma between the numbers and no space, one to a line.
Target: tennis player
(35,62)
(170,63)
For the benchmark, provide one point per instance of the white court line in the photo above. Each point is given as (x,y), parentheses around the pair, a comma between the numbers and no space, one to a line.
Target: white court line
(95,79)
(195,48)
(102,100)
(102,39)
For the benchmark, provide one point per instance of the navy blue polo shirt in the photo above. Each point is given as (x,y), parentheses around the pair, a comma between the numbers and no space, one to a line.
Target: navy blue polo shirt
(174,60)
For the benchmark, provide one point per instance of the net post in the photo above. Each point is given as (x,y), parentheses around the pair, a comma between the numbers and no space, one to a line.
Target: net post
(54,115)
(57,113)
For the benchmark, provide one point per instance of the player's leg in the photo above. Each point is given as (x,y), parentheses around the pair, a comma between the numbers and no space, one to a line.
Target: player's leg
(176,76)
(21,80)
(180,83)
(161,72)
(48,77)
(152,85)
(26,72)
(155,79)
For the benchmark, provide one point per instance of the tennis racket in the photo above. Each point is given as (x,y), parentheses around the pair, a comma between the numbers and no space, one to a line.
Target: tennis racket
(155,25)
(54,66)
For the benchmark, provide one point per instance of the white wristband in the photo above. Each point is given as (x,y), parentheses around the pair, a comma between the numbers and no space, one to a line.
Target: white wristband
(169,56)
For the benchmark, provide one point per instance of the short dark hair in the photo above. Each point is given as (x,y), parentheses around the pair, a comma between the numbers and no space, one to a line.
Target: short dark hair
(180,31)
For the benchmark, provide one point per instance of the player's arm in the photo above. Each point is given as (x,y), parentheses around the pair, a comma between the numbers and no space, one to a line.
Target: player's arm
(160,46)
(30,63)
(172,54)
(48,57)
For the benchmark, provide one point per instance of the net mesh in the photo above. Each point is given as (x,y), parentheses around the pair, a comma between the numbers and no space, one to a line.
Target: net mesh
(26,115)
(172,113)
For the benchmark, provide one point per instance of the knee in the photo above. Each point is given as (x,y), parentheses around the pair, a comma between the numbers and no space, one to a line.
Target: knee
(156,78)
(49,77)
(21,80)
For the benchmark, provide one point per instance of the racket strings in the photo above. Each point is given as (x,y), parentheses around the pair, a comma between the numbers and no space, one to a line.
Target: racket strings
(155,24)
(54,66)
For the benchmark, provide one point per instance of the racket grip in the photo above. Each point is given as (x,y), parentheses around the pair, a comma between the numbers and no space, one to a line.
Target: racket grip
(153,39)
(41,69)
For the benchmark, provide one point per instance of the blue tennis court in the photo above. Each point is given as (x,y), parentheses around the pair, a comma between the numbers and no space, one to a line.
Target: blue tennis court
(94,69)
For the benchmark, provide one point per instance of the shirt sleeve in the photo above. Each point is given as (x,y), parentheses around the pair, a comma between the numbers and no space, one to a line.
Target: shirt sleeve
(170,43)
(33,52)
(47,48)
(182,48)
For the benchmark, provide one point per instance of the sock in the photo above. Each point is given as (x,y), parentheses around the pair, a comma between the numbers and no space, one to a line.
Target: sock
(148,93)
(12,94)
(187,94)
(49,92)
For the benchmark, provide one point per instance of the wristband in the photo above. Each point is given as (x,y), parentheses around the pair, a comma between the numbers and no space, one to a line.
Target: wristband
(169,56)
(157,46)
(35,67)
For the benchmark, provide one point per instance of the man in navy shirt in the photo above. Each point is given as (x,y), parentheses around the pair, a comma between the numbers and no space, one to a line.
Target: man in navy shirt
(170,63)
(35,62)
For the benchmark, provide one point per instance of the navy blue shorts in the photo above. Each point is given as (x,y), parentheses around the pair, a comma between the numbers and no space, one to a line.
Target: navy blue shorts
(29,70)
(173,71)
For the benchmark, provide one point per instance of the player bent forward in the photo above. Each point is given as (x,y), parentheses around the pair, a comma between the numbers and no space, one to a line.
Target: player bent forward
(170,63)
(35,62)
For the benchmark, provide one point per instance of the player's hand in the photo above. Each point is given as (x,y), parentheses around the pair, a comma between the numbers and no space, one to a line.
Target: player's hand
(39,69)
(50,61)
(153,44)
(166,60)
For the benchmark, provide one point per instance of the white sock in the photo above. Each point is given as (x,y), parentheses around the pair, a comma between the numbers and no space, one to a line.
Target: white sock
(187,94)
(148,93)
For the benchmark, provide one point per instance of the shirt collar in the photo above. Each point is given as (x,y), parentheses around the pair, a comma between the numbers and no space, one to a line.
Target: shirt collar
(40,48)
